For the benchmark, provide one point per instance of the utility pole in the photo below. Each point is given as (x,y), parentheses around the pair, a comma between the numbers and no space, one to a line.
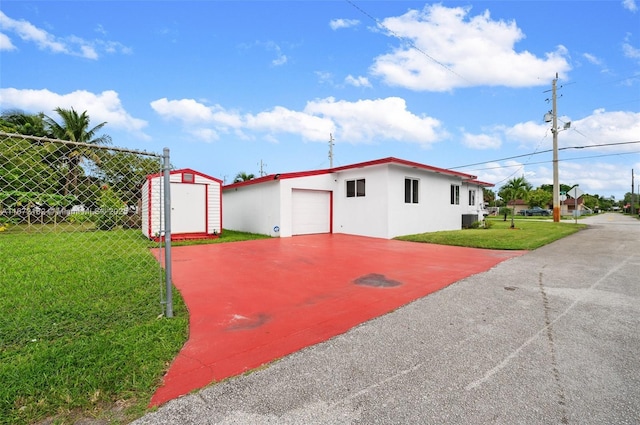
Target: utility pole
(262,172)
(331,150)
(633,212)
(554,130)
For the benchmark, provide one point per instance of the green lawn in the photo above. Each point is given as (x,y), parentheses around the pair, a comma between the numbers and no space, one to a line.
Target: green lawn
(81,330)
(225,236)
(527,234)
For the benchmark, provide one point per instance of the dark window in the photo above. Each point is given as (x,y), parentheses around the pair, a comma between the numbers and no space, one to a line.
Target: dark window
(472,197)
(410,191)
(351,188)
(360,187)
(355,188)
(455,194)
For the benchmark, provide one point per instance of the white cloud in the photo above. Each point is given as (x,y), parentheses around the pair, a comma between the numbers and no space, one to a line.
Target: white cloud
(70,45)
(283,120)
(205,134)
(357,81)
(343,23)
(105,106)
(481,141)
(447,48)
(215,119)
(599,128)
(363,121)
(324,77)
(100,29)
(630,5)
(5,43)
(628,50)
(272,46)
(366,121)
(187,110)
(592,58)
(29,32)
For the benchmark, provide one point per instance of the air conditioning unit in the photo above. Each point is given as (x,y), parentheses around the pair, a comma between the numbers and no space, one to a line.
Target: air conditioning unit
(468,220)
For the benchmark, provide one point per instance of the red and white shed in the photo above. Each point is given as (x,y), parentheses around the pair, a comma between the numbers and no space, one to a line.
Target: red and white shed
(196,205)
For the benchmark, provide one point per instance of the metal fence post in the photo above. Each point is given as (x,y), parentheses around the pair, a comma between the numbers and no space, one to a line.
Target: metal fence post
(166,169)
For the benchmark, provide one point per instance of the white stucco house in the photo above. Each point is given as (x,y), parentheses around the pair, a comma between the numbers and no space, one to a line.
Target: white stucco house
(383,198)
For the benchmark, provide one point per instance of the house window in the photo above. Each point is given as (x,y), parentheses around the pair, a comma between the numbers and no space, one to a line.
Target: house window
(455,194)
(472,197)
(355,188)
(187,177)
(410,191)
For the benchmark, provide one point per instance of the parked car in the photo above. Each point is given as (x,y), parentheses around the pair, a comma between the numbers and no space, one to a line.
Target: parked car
(535,211)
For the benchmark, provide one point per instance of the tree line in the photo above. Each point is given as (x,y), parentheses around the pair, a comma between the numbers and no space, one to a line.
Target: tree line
(37,172)
(518,188)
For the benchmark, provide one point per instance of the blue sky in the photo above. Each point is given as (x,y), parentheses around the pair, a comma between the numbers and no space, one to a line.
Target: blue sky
(230,85)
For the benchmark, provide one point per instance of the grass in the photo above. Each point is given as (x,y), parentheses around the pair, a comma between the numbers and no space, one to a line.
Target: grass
(81,331)
(225,236)
(527,234)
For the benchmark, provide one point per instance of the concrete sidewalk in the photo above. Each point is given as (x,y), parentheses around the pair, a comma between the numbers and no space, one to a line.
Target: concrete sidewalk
(550,337)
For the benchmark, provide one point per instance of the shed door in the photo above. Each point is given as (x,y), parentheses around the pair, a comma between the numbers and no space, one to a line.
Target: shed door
(188,208)
(311,211)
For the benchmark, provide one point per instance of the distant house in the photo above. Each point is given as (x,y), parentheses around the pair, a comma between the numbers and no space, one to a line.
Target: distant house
(570,205)
(383,198)
(520,205)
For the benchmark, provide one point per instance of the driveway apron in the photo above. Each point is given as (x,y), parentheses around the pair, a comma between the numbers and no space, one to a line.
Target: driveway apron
(253,302)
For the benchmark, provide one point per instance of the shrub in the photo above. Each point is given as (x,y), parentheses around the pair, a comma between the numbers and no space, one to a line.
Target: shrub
(111,209)
(80,217)
(505,210)
(132,221)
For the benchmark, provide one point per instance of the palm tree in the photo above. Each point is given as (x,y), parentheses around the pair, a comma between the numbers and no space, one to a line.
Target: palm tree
(243,177)
(516,188)
(75,128)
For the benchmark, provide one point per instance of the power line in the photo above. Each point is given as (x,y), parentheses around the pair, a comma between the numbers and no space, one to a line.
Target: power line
(547,151)
(559,160)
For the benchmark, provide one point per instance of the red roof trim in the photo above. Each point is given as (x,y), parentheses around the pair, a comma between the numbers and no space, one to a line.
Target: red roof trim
(186,170)
(481,183)
(392,160)
(389,160)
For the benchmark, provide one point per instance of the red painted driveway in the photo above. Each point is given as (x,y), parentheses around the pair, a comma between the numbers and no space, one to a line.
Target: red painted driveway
(253,302)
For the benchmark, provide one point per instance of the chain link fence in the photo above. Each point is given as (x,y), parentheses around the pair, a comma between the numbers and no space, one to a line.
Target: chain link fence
(85,202)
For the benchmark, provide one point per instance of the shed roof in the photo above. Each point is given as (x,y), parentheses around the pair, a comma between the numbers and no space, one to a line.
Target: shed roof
(390,160)
(187,170)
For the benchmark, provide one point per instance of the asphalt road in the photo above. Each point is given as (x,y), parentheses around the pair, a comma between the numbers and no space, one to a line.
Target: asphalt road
(551,337)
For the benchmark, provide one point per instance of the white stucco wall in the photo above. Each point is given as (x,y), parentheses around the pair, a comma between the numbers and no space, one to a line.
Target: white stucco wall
(432,213)
(475,208)
(253,208)
(367,215)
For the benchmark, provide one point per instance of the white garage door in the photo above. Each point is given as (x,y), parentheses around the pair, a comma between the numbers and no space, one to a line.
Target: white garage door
(311,211)
(188,208)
